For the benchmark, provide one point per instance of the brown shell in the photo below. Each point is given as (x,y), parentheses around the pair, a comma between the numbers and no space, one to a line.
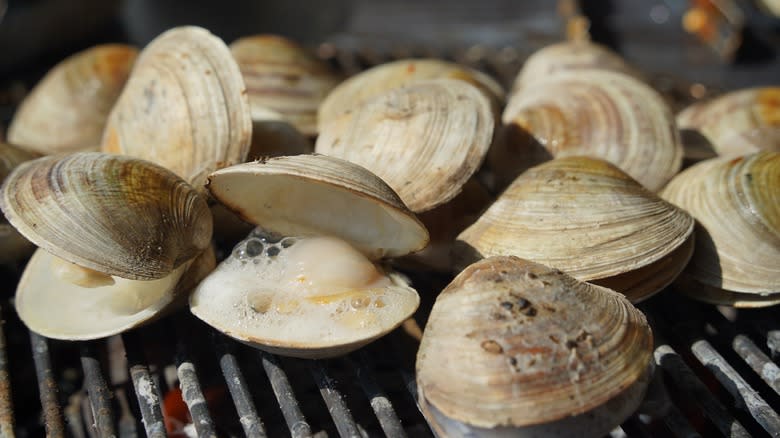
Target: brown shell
(514,345)
(425,139)
(284,77)
(13,246)
(601,114)
(184,106)
(68,108)
(589,219)
(736,203)
(113,214)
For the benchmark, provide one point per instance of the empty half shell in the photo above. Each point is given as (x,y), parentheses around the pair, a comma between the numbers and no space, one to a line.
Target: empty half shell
(736,203)
(283,77)
(113,214)
(425,139)
(737,123)
(184,107)
(514,348)
(67,110)
(601,114)
(378,80)
(304,283)
(589,219)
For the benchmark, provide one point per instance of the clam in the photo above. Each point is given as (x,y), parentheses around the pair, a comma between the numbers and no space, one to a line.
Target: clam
(305,283)
(736,203)
(68,108)
(589,219)
(737,123)
(116,236)
(14,245)
(425,139)
(513,348)
(601,114)
(282,76)
(378,80)
(575,55)
(184,106)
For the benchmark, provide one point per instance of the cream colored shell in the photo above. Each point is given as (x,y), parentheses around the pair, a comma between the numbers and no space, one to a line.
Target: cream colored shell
(736,203)
(68,108)
(378,80)
(514,348)
(282,76)
(114,214)
(601,114)
(425,139)
(589,219)
(184,106)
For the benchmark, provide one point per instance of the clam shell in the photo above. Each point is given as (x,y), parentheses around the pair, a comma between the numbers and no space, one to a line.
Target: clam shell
(378,80)
(14,246)
(514,348)
(113,214)
(736,203)
(284,77)
(737,123)
(184,106)
(320,195)
(589,219)
(567,56)
(425,139)
(601,114)
(68,108)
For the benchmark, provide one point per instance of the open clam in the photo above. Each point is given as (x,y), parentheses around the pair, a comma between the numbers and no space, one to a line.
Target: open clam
(116,232)
(68,108)
(382,78)
(283,77)
(736,203)
(516,349)
(589,219)
(425,139)
(602,114)
(737,123)
(184,106)
(12,244)
(305,284)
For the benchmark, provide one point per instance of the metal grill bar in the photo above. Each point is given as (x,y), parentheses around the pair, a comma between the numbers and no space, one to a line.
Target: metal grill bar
(381,405)
(6,402)
(192,394)
(55,427)
(99,394)
(283,391)
(145,389)
(334,400)
(250,421)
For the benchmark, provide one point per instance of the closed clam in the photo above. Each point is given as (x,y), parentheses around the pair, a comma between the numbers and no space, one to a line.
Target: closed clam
(737,123)
(116,236)
(736,203)
(68,108)
(378,80)
(513,348)
(425,139)
(589,219)
(184,106)
(601,114)
(305,283)
(284,77)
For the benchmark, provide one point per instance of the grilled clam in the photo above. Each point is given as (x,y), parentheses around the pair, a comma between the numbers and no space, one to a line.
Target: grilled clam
(14,245)
(67,110)
(184,106)
(283,77)
(601,114)
(378,80)
(115,232)
(737,123)
(589,219)
(425,139)
(736,203)
(305,284)
(514,348)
